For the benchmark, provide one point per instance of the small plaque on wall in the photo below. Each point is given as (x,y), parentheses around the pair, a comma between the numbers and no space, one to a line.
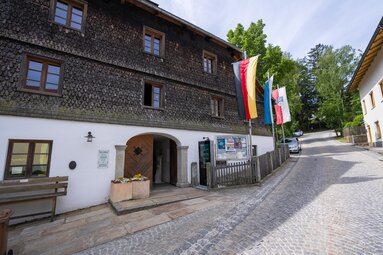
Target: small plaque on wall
(103,159)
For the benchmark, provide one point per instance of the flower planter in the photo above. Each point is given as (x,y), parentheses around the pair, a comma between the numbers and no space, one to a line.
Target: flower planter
(120,191)
(141,189)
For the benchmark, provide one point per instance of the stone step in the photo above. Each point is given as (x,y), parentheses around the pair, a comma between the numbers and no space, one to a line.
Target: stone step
(82,233)
(130,206)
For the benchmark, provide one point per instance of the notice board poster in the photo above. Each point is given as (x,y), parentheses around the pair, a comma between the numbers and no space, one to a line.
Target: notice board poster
(231,148)
(103,159)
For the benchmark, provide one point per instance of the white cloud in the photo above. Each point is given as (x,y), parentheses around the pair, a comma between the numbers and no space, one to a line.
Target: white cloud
(295,25)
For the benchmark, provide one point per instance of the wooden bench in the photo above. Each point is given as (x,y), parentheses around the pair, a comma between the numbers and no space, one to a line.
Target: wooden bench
(47,188)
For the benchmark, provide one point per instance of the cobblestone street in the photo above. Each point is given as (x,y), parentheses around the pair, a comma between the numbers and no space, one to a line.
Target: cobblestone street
(327,200)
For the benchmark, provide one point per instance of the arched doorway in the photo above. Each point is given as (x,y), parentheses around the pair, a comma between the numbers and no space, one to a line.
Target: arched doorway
(154,156)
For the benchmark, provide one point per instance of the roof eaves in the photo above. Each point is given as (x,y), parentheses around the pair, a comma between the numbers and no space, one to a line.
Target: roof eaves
(159,12)
(351,86)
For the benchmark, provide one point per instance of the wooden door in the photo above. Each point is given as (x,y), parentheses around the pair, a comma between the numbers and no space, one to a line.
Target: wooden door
(139,156)
(173,163)
(369,134)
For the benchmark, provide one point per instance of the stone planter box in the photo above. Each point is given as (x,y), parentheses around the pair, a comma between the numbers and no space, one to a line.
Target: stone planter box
(141,189)
(120,191)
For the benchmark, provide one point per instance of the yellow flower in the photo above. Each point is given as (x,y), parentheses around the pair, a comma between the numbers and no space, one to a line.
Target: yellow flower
(139,176)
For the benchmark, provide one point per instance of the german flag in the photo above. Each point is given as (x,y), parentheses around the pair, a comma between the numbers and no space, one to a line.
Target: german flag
(245,83)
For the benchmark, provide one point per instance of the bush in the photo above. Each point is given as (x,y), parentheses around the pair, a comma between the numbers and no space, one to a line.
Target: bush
(348,124)
(357,121)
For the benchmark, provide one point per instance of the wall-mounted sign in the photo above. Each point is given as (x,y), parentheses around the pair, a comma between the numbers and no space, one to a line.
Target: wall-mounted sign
(103,159)
(232,148)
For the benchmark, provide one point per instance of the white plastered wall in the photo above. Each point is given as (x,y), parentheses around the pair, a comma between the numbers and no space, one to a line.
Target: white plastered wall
(370,82)
(89,185)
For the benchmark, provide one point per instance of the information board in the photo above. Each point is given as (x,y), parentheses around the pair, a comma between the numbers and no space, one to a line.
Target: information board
(103,159)
(231,148)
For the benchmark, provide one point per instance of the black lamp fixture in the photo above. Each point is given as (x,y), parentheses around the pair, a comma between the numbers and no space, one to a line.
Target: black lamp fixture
(89,137)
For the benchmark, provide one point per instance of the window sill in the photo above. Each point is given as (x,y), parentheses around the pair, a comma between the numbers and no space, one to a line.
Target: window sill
(40,92)
(23,178)
(207,73)
(82,31)
(153,108)
(160,57)
(217,117)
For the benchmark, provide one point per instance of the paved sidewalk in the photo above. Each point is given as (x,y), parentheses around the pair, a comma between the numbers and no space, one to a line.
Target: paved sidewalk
(329,204)
(377,150)
(82,229)
(92,227)
(197,228)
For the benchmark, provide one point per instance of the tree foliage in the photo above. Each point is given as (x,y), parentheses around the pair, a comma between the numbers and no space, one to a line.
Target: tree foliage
(315,84)
(307,89)
(333,72)
(251,40)
(272,61)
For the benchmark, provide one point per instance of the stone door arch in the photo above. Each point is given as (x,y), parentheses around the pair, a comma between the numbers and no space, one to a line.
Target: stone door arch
(137,156)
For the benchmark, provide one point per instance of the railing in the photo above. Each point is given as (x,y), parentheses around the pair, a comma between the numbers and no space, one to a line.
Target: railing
(250,172)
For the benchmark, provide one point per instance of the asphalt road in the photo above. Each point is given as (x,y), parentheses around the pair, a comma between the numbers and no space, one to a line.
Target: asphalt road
(330,202)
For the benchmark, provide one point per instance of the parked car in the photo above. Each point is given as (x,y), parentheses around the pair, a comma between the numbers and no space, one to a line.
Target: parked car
(294,144)
(298,133)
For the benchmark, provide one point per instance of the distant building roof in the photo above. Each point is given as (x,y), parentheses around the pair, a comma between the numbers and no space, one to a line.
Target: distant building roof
(368,57)
(153,8)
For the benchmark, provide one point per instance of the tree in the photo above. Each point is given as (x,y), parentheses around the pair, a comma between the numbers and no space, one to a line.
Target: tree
(333,71)
(307,88)
(253,41)
(272,61)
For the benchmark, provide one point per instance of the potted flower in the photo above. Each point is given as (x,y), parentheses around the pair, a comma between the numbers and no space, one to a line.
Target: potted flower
(120,189)
(141,186)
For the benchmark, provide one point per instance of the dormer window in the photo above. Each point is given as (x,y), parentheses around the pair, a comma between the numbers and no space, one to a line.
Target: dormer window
(69,13)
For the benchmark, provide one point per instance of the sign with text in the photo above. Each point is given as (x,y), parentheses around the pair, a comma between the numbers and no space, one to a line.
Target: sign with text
(103,159)
(231,147)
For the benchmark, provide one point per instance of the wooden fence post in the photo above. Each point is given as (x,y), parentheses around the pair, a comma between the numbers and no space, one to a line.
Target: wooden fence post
(258,170)
(270,158)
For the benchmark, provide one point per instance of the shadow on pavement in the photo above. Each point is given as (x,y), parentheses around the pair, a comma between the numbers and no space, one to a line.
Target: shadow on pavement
(315,172)
(357,179)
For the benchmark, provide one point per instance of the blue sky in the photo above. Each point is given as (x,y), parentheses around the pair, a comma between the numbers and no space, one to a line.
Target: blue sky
(295,25)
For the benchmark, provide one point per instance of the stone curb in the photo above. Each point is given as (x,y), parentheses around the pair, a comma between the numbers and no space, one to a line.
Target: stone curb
(376,152)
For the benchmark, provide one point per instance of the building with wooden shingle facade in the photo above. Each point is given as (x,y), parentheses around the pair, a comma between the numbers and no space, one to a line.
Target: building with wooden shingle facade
(143,85)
